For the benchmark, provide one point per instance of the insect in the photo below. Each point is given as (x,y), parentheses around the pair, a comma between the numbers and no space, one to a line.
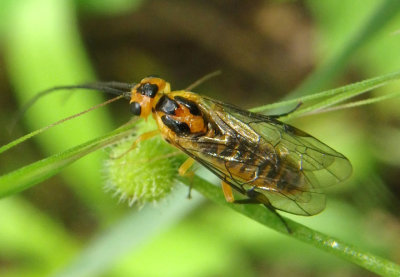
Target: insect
(260,157)
(263,159)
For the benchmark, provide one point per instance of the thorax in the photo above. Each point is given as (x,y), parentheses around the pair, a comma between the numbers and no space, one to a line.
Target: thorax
(178,114)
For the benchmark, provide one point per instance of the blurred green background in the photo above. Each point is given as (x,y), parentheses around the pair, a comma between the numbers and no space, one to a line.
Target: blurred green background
(267,50)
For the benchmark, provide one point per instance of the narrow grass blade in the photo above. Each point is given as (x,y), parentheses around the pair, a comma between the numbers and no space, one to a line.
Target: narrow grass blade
(354,104)
(41,130)
(333,96)
(35,173)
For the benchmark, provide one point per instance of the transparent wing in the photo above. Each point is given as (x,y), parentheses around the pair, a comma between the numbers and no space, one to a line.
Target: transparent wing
(301,152)
(268,160)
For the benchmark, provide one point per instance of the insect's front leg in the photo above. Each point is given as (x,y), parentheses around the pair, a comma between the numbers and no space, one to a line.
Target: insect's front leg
(184,172)
(140,138)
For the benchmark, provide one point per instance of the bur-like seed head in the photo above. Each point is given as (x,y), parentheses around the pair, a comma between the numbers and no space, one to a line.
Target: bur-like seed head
(144,174)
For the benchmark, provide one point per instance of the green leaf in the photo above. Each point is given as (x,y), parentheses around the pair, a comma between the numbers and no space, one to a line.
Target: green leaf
(35,173)
(331,97)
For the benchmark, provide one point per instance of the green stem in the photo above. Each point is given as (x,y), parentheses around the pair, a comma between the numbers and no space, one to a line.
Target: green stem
(332,95)
(324,242)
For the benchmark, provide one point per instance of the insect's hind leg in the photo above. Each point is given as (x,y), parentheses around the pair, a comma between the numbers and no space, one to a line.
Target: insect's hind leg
(268,206)
(184,171)
(257,198)
(227,190)
(288,112)
(254,198)
(272,209)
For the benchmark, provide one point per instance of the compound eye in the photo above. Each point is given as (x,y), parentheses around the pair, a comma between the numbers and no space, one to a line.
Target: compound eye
(150,90)
(135,108)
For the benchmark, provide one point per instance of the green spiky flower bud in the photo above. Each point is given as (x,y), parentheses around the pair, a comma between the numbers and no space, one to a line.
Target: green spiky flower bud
(146,173)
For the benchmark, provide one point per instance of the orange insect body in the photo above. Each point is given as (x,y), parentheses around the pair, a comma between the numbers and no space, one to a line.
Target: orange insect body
(270,162)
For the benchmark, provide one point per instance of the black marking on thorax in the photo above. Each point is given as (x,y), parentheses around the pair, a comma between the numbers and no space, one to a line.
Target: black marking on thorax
(178,127)
(166,105)
(192,106)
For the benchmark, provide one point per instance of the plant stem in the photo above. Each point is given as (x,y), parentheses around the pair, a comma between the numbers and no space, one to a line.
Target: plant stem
(324,242)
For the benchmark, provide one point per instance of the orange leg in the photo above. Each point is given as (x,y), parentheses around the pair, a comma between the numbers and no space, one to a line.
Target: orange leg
(227,189)
(185,167)
(176,153)
(183,171)
(140,138)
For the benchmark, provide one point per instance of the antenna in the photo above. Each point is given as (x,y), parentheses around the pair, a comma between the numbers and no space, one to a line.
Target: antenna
(115,88)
